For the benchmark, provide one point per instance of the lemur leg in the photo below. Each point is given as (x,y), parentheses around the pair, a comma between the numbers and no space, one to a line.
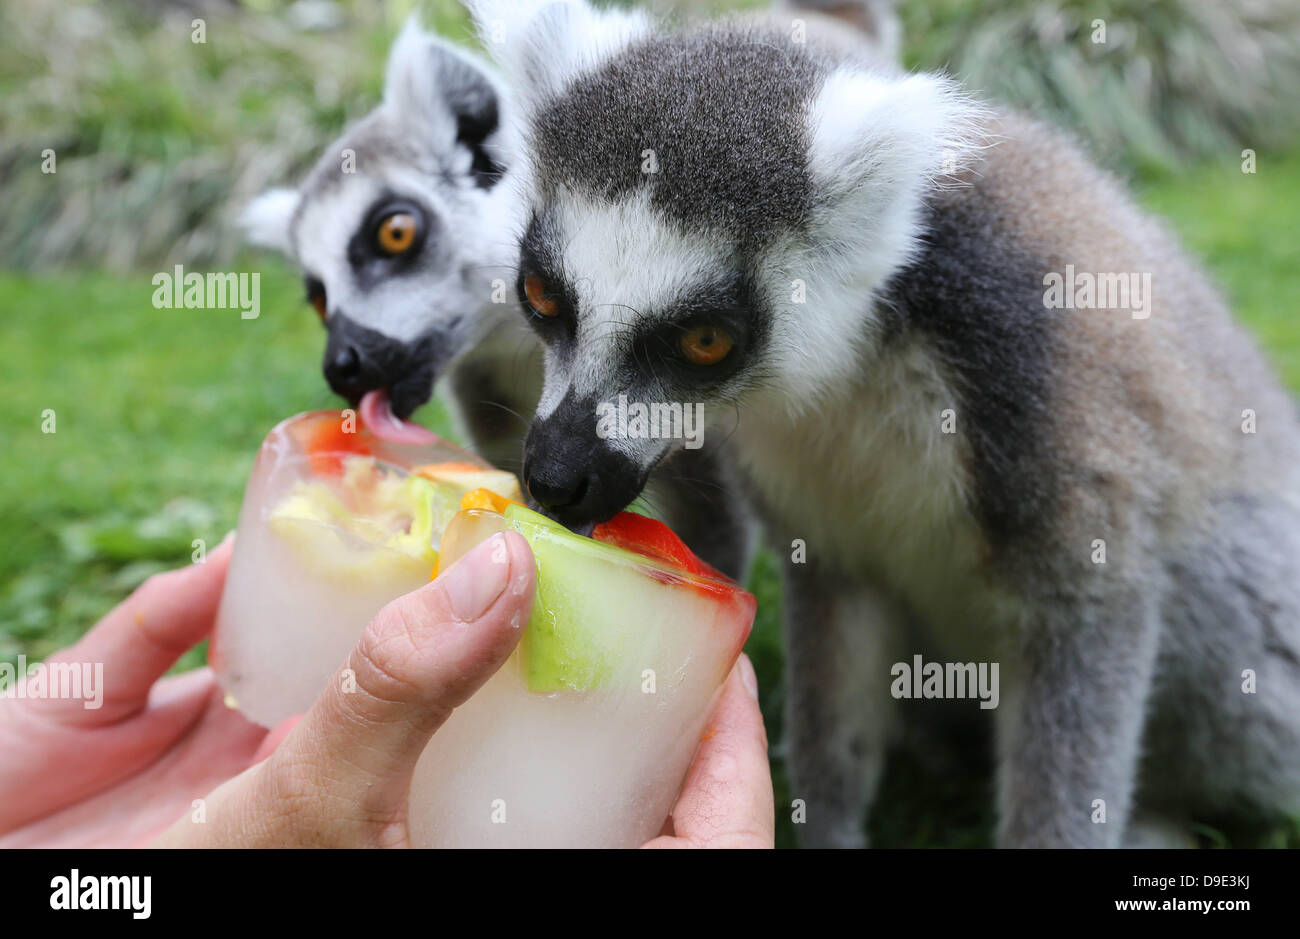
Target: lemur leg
(1072,715)
(840,716)
(699,501)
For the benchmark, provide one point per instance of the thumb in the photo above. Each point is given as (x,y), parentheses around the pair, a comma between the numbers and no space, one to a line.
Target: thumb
(421,656)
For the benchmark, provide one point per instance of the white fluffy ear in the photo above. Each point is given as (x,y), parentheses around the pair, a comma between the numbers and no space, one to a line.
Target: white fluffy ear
(266,219)
(542,45)
(879,144)
(880,132)
(436,89)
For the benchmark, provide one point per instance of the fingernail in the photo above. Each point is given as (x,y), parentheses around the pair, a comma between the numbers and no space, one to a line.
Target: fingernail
(230,536)
(474,582)
(747,676)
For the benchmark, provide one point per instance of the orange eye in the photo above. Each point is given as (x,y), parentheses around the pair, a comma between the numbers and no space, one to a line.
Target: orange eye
(706,345)
(535,291)
(318,301)
(396,233)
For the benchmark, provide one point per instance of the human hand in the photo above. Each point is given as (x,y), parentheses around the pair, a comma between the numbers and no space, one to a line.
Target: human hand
(116,775)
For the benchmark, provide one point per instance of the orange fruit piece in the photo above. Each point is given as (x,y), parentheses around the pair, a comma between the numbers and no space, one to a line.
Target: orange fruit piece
(486,499)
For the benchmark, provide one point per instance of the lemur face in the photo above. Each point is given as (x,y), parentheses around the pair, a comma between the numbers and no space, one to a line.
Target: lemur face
(645,265)
(393,260)
(627,304)
(397,227)
(707,218)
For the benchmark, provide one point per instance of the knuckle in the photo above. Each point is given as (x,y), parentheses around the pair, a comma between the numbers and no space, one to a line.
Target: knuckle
(307,812)
(384,660)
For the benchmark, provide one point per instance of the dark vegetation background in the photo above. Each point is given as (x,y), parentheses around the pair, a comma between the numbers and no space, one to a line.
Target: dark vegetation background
(160,141)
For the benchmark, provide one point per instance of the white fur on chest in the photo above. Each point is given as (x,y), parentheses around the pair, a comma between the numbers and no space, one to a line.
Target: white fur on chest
(879,493)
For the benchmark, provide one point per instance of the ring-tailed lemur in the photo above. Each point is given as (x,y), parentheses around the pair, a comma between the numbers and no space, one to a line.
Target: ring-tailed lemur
(870,280)
(407,234)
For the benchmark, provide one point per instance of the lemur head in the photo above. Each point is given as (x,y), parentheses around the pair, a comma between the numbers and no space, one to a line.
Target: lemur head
(398,226)
(706,218)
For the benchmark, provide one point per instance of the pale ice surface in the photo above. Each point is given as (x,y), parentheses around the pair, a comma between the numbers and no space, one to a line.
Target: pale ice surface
(514,768)
(285,627)
(599,767)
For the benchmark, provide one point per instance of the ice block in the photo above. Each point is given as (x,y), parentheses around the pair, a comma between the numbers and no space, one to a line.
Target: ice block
(584,736)
(335,523)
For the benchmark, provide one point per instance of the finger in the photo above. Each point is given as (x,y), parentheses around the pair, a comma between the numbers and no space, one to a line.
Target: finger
(143,636)
(727,799)
(63,764)
(421,656)
(276,737)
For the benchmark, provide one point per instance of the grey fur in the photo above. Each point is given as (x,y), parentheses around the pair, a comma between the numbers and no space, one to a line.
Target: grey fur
(729,156)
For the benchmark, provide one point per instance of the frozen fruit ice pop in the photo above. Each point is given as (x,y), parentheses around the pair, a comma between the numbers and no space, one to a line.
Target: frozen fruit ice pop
(583,738)
(336,522)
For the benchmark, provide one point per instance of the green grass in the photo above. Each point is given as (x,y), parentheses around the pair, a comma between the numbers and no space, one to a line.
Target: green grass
(1171,83)
(159,413)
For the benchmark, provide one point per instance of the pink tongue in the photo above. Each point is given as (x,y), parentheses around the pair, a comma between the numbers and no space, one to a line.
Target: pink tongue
(377,414)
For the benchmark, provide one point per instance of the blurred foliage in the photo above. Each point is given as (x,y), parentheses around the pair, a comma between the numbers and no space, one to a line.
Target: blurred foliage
(1173,81)
(160,140)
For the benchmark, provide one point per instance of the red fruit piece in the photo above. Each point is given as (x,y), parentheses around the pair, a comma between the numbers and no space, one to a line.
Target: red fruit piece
(653,539)
(326,440)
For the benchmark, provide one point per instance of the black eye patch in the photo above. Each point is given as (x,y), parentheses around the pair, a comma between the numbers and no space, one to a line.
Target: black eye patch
(536,261)
(312,287)
(563,323)
(726,308)
(369,262)
(660,348)
(315,291)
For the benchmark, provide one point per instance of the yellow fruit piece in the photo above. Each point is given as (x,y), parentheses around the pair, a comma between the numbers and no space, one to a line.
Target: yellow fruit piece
(466,477)
(368,524)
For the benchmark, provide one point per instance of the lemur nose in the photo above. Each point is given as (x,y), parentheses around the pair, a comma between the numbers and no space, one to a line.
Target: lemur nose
(554,490)
(344,368)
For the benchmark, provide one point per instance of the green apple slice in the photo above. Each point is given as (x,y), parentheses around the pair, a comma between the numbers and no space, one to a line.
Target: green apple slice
(564,648)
